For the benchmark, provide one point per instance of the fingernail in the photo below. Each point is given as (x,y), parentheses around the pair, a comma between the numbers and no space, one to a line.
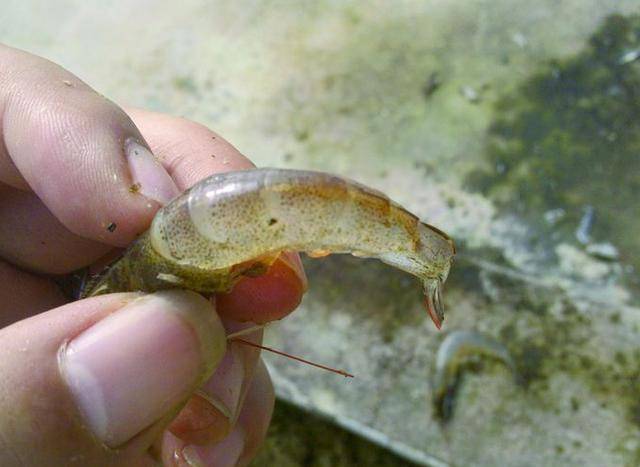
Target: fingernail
(228,386)
(224,389)
(293,261)
(147,173)
(214,408)
(224,454)
(134,366)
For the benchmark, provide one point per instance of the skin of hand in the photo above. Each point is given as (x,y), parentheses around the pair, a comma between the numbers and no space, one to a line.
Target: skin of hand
(120,379)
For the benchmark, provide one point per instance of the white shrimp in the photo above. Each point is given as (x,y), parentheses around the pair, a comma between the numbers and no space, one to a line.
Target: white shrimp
(235,224)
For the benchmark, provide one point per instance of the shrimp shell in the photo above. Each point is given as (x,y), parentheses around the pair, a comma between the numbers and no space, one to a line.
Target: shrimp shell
(235,224)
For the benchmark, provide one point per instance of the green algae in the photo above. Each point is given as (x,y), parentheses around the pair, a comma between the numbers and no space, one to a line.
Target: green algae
(185,84)
(544,345)
(569,138)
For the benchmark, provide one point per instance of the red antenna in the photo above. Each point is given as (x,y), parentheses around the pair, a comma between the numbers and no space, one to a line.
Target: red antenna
(293,357)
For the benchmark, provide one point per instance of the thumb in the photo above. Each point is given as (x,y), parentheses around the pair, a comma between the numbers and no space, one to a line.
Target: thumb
(96,381)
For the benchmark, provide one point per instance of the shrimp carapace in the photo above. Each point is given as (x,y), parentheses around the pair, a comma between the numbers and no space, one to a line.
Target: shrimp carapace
(237,223)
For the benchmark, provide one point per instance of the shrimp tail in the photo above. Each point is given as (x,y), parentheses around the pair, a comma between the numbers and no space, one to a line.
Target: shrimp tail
(433,301)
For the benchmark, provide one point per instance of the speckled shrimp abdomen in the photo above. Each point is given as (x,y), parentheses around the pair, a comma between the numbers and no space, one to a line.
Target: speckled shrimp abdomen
(230,224)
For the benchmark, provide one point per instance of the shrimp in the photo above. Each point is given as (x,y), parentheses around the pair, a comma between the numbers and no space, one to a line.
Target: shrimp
(457,349)
(236,224)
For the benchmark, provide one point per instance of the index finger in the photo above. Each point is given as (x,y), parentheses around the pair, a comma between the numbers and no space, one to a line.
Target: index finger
(88,163)
(78,175)
(78,152)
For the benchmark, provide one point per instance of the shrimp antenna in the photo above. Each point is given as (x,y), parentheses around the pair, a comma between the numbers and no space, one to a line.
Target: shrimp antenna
(293,357)
(235,337)
(244,332)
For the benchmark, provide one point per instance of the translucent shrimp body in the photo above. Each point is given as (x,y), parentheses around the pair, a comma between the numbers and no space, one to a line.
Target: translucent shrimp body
(236,224)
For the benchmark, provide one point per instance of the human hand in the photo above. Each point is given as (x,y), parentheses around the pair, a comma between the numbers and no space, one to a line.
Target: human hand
(120,379)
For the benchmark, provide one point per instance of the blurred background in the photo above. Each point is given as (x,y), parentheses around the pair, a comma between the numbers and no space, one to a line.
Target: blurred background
(510,124)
